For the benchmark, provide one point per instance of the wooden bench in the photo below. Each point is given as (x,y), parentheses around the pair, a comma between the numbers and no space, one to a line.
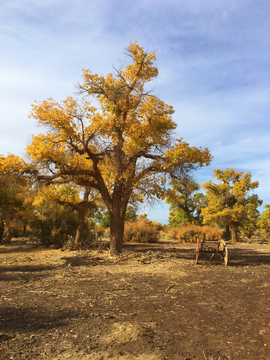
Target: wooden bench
(213,247)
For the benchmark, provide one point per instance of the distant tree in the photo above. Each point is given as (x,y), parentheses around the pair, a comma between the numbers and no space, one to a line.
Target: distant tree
(264,222)
(104,219)
(53,223)
(186,203)
(80,199)
(178,217)
(228,202)
(15,195)
(125,150)
(253,216)
(131,215)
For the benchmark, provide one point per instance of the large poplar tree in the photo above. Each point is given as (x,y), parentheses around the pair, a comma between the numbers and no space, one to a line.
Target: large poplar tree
(126,150)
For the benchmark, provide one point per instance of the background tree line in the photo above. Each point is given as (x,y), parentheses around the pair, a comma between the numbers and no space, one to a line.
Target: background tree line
(57,213)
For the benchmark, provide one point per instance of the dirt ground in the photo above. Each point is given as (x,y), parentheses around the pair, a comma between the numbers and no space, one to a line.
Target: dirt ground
(150,303)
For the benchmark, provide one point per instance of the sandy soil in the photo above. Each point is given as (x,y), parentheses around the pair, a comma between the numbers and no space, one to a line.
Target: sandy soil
(150,303)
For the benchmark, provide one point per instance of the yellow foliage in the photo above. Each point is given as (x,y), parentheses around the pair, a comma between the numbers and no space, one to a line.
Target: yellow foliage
(142,231)
(16,193)
(12,164)
(126,140)
(125,148)
(190,233)
(53,193)
(182,153)
(228,201)
(264,222)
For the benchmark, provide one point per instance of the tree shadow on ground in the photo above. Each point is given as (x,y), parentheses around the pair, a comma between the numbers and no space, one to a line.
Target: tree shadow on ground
(238,256)
(32,319)
(14,248)
(247,257)
(169,249)
(25,272)
(144,247)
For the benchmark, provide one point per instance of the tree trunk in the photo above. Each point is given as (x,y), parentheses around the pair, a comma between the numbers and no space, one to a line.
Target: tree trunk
(9,235)
(82,209)
(24,230)
(227,233)
(117,223)
(79,232)
(2,230)
(234,232)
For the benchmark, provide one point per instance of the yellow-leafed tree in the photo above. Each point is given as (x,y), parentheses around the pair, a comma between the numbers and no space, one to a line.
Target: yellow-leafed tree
(126,150)
(15,195)
(229,204)
(264,222)
(57,200)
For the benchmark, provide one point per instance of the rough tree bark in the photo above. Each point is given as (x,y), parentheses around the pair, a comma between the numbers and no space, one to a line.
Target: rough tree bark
(234,233)
(117,222)
(79,231)
(227,233)
(117,234)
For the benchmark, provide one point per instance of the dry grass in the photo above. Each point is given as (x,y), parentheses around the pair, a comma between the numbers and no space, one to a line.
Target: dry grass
(190,233)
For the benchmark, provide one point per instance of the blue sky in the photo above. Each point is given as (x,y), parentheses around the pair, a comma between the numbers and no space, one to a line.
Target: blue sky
(213,58)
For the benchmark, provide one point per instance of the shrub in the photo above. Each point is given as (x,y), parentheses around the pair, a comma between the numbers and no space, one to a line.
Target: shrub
(190,233)
(142,231)
(53,231)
